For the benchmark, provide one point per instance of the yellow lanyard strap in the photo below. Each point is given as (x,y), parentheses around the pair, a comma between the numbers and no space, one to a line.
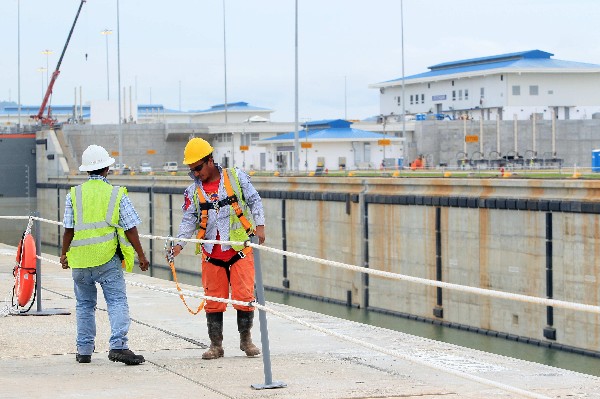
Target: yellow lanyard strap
(171,258)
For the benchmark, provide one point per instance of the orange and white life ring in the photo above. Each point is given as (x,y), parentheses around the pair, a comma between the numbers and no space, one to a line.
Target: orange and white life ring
(24,270)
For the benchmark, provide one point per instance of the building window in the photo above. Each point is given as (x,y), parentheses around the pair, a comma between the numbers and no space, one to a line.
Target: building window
(224,138)
(460,94)
(452,83)
(399,99)
(482,92)
(516,90)
(429,85)
(422,98)
(411,99)
(501,77)
(367,152)
(550,91)
(453,95)
(533,90)
(249,138)
(466,94)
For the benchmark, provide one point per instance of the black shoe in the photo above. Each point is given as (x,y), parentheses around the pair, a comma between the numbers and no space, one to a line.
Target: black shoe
(83,358)
(125,356)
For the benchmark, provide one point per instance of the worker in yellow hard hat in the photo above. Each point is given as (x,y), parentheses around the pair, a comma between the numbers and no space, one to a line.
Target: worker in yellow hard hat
(222,204)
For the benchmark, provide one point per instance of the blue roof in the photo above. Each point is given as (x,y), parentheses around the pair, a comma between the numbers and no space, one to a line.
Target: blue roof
(533,59)
(34,109)
(327,123)
(493,58)
(142,108)
(237,106)
(330,134)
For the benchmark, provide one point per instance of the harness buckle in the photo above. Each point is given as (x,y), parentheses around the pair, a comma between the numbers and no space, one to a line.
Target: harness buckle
(216,206)
(241,254)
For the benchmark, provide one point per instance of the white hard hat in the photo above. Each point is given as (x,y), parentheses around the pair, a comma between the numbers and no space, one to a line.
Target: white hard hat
(95,157)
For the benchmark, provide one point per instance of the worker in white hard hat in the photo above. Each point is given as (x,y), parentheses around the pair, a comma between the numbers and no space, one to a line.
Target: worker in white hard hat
(222,204)
(99,241)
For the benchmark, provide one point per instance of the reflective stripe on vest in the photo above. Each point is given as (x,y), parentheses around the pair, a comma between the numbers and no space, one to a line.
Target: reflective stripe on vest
(240,215)
(96,225)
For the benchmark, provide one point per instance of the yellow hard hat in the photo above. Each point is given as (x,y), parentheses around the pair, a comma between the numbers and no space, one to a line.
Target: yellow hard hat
(195,150)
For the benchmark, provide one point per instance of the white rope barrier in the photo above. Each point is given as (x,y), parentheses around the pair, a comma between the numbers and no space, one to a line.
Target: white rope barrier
(7,310)
(441,284)
(432,283)
(379,273)
(395,276)
(356,341)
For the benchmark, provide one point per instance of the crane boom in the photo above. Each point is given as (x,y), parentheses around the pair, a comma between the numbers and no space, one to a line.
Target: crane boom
(40,115)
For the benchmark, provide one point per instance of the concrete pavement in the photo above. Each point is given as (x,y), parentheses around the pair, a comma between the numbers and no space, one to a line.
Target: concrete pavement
(37,355)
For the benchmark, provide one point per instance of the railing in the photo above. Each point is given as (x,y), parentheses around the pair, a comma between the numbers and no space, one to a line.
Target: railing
(260,304)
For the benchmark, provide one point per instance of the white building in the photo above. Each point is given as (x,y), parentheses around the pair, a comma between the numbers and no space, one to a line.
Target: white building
(242,134)
(335,145)
(518,85)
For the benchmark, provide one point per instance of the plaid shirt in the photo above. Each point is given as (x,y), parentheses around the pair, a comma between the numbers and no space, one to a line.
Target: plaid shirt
(215,224)
(128,217)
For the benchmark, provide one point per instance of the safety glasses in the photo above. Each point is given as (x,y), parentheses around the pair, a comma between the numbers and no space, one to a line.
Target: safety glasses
(198,168)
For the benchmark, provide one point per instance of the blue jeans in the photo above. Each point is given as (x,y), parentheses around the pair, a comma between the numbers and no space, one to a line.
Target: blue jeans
(110,277)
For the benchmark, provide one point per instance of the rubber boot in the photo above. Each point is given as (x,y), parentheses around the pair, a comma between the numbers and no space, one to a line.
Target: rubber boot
(214,321)
(244,322)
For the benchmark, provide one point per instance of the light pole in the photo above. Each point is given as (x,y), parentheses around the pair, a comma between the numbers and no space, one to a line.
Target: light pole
(19,63)
(403,101)
(225,63)
(107,32)
(296,134)
(306,149)
(42,70)
(243,148)
(47,53)
(119,85)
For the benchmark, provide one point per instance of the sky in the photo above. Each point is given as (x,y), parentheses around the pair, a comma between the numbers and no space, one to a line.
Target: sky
(172,52)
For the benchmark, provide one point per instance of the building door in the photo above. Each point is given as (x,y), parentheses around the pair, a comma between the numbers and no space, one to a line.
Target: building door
(263,161)
(283,161)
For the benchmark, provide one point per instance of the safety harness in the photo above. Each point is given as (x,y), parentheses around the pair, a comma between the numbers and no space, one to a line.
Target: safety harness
(232,200)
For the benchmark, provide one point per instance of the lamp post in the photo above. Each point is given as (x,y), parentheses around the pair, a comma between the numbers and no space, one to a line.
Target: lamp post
(106,33)
(19,64)
(384,137)
(47,53)
(403,101)
(119,88)
(225,63)
(296,134)
(42,70)
(243,148)
(306,149)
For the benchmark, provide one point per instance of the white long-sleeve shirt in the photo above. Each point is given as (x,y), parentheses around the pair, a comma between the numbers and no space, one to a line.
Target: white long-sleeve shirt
(218,222)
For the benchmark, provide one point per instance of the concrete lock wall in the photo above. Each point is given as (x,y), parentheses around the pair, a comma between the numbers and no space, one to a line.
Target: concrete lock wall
(570,141)
(530,237)
(442,142)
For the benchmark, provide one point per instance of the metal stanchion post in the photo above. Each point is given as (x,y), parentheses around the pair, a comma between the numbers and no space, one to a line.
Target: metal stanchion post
(264,332)
(38,263)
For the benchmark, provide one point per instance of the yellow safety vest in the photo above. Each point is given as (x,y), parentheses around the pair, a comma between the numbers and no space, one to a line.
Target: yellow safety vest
(97,232)
(241,224)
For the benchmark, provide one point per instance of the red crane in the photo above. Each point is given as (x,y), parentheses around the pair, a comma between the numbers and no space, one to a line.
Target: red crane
(48,120)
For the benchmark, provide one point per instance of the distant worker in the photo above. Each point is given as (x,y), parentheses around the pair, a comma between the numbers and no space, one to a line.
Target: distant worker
(417,163)
(222,204)
(100,236)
